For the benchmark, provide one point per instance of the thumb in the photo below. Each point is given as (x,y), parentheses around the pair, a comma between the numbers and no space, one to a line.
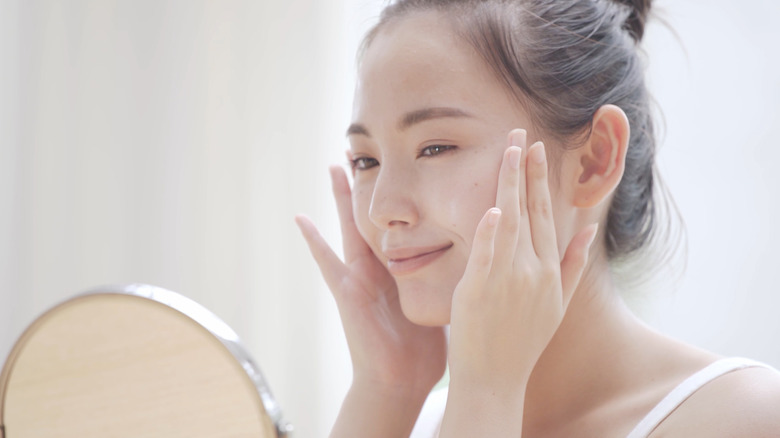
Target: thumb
(575,260)
(331,267)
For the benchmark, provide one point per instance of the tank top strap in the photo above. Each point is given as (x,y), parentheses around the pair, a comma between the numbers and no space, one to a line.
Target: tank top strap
(430,418)
(685,389)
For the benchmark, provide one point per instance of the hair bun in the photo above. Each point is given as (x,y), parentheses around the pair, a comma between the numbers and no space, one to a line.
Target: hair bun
(635,24)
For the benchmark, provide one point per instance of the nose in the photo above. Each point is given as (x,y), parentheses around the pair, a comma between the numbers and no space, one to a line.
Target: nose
(392,202)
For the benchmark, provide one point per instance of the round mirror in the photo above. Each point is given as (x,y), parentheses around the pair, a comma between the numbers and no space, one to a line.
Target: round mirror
(133,361)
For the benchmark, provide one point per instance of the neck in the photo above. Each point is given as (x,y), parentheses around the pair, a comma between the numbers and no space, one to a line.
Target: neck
(581,367)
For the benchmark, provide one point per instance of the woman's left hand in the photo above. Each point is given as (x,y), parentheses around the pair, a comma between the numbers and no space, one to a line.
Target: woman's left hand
(515,289)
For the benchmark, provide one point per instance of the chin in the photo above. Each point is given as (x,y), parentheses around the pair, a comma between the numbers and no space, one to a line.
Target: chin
(425,305)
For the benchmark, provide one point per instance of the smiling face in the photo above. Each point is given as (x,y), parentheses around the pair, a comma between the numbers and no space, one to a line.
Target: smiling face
(430,125)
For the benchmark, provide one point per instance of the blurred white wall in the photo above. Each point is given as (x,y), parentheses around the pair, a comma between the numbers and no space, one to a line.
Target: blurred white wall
(172,142)
(719,89)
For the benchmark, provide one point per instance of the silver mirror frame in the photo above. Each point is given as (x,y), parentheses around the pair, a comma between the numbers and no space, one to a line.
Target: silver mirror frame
(214,325)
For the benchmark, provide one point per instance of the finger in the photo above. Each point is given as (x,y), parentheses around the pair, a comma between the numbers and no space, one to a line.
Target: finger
(510,185)
(354,245)
(480,260)
(540,205)
(575,260)
(331,267)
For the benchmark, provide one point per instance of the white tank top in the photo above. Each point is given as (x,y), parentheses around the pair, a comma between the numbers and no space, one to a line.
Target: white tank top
(428,423)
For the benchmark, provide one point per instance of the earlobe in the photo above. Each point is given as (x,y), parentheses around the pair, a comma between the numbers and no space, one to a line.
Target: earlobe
(602,157)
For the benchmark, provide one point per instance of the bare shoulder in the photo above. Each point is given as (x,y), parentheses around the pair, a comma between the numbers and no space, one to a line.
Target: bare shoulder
(741,403)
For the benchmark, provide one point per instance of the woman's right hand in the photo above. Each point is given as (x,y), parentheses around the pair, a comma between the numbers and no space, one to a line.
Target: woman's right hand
(389,353)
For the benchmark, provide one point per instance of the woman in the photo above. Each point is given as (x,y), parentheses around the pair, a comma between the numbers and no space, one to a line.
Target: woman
(476,122)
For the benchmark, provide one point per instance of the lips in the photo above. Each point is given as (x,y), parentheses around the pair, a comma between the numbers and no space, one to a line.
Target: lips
(401,261)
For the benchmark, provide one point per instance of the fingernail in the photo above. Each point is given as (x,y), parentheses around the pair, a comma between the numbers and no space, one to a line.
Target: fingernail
(514,157)
(537,153)
(493,216)
(517,137)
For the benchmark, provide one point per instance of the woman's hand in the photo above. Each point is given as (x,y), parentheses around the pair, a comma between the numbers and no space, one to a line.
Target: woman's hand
(391,356)
(513,294)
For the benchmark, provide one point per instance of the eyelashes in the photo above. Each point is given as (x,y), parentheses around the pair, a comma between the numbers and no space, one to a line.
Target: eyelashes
(433,150)
(365,163)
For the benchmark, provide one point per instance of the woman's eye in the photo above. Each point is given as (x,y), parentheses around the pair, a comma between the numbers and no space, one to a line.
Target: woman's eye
(363,163)
(436,149)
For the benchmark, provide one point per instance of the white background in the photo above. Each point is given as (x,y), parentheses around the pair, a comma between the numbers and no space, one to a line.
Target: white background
(172,142)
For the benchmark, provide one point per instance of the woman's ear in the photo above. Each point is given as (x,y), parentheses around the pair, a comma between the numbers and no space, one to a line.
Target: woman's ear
(602,157)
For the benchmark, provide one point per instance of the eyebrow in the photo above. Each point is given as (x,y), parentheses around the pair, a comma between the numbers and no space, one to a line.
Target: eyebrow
(414,117)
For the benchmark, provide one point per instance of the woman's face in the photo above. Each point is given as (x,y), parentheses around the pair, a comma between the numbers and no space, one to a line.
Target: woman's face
(430,125)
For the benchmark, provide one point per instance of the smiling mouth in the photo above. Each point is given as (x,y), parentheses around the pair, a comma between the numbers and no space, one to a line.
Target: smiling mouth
(407,265)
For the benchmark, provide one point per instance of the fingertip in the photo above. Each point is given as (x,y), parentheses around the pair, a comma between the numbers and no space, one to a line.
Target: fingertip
(517,137)
(301,220)
(317,245)
(305,226)
(513,155)
(481,257)
(581,243)
(486,229)
(536,153)
(575,259)
(584,242)
(592,231)
(493,216)
(334,170)
(338,179)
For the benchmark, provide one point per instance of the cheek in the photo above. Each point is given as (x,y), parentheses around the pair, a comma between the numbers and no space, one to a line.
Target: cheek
(463,203)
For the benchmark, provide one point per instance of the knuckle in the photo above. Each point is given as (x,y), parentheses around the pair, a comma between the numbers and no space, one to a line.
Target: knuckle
(484,235)
(512,226)
(508,186)
(538,171)
(523,205)
(549,271)
(483,260)
(480,256)
(540,207)
(510,179)
(523,271)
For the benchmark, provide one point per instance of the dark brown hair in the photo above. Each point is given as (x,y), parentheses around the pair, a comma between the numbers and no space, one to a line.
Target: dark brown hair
(563,60)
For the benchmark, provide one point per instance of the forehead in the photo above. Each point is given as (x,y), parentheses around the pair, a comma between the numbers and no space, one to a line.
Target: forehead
(419,61)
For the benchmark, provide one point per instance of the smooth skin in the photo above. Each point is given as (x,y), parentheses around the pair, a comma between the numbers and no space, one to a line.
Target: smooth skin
(453,218)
